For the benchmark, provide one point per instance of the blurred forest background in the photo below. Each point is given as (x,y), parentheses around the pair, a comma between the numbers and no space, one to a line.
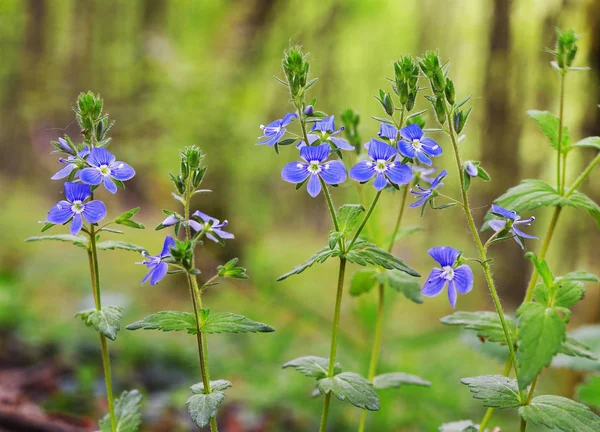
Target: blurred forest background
(176,73)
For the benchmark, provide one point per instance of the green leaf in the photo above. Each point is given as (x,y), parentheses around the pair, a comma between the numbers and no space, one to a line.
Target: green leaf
(405,284)
(581,275)
(568,292)
(320,257)
(581,342)
(398,379)
(364,253)
(351,387)
(405,232)
(201,406)
(486,324)
(541,334)
(106,320)
(230,270)
(459,426)
(125,218)
(349,217)
(226,322)
(593,142)
(529,195)
(76,240)
(128,413)
(542,268)
(495,391)
(131,224)
(364,280)
(574,348)
(167,321)
(117,244)
(561,413)
(589,391)
(549,124)
(581,200)
(217,385)
(311,366)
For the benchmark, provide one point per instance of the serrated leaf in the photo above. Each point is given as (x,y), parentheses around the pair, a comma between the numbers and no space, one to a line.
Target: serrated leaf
(459,426)
(581,200)
(574,348)
(128,413)
(588,337)
(312,366)
(226,322)
(217,385)
(76,240)
(167,321)
(398,379)
(549,124)
(589,391)
(561,413)
(364,253)
(117,244)
(363,281)
(351,387)
(495,391)
(106,320)
(349,217)
(202,407)
(486,324)
(592,142)
(541,334)
(568,292)
(529,195)
(320,257)
(405,284)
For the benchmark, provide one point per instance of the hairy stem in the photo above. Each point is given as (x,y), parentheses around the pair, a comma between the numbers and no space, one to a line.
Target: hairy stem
(560,177)
(365,220)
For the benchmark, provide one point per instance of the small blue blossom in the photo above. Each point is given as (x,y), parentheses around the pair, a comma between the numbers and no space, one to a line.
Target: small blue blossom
(457,278)
(64,145)
(423,173)
(275,130)
(171,220)
(314,167)
(158,268)
(382,166)
(70,162)
(388,131)
(425,193)
(325,129)
(210,226)
(512,219)
(76,208)
(105,169)
(471,169)
(416,145)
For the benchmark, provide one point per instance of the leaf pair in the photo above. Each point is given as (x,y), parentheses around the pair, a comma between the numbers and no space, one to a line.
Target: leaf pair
(202,406)
(364,280)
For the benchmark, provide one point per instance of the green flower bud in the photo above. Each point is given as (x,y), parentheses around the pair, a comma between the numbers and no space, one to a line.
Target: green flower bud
(440,110)
(449,91)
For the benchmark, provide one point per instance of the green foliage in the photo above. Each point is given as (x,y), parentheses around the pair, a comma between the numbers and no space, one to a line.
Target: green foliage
(589,391)
(351,387)
(229,270)
(125,219)
(548,124)
(581,344)
(495,391)
(128,413)
(167,321)
(403,283)
(106,320)
(485,323)
(591,142)
(203,406)
(574,348)
(311,366)
(117,244)
(76,240)
(541,333)
(364,280)
(320,257)
(226,322)
(561,413)
(398,379)
(349,217)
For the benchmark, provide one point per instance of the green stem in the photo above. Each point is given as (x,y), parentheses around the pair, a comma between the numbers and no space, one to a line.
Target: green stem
(523,425)
(334,339)
(330,204)
(490,411)
(560,177)
(95,276)
(583,175)
(365,220)
(399,219)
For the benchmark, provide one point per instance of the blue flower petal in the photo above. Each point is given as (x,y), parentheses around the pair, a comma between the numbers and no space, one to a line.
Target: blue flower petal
(424,197)
(60,213)
(497,225)
(508,214)
(311,139)
(452,293)
(399,173)
(223,234)
(423,158)
(412,132)
(438,180)
(110,185)
(314,185)
(100,156)
(76,224)
(65,145)
(434,283)
(63,172)
(463,278)
(206,218)
(121,171)
(77,191)
(325,125)
(388,131)
(295,172)
(94,211)
(406,149)
(362,171)
(380,181)
(431,147)
(315,153)
(333,172)
(378,150)
(158,273)
(168,244)
(444,255)
(90,176)
(520,233)
(287,119)
(471,169)
(341,143)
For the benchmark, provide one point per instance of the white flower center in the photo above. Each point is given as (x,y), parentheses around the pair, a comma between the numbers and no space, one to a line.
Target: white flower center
(314,167)
(104,170)
(448,273)
(416,144)
(380,165)
(77,207)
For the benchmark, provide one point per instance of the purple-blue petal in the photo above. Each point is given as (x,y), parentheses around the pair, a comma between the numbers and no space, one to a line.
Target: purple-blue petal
(121,171)
(90,176)
(380,181)
(452,293)
(76,224)
(65,145)
(63,172)
(399,173)
(388,131)
(60,213)
(333,172)
(170,220)
(315,153)
(497,225)
(311,139)
(424,196)
(167,245)
(463,278)
(434,283)
(100,156)
(287,119)
(520,233)
(444,255)
(508,214)
(362,171)
(325,125)
(94,211)
(431,147)
(378,150)
(110,185)
(406,149)
(412,132)
(295,172)
(158,273)
(439,179)
(423,158)
(341,143)
(206,218)
(314,185)
(471,169)
(223,234)
(77,191)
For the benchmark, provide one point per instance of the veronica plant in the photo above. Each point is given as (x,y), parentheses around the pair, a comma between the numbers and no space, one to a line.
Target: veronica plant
(178,257)
(538,333)
(320,146)
(88,164)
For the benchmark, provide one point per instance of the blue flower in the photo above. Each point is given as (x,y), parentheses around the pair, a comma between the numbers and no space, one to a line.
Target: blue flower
(70,162)
(210,226)
(382,166)
(158,268)
(423,173)
(104,168)
(471,169)
(510,222)
(75,207)
(416,144)
(388,131)
(325,129)
(64,145)
(315,166)
(275,130)
(458,278)
(425,193)
(311,139)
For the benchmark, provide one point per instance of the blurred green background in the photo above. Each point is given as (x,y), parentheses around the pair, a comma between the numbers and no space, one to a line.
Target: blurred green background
(176,73)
